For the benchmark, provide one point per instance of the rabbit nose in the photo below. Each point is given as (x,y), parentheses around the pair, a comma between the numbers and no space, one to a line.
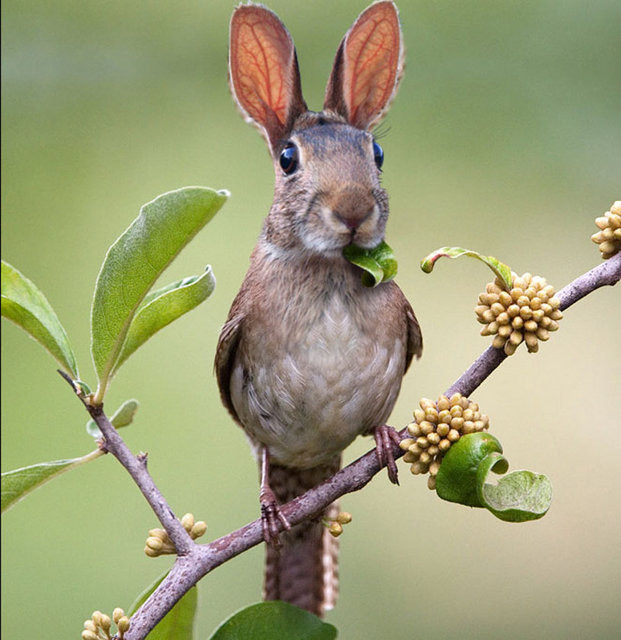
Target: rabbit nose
(351,223)
(352,206)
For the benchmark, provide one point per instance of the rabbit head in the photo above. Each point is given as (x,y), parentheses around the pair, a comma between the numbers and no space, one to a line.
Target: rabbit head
(327,164)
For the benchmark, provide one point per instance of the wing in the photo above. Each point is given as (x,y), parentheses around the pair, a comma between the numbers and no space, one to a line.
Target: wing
(415,337)
(225,355)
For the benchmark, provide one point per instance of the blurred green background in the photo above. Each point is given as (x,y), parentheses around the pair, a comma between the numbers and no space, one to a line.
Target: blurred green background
(505,138)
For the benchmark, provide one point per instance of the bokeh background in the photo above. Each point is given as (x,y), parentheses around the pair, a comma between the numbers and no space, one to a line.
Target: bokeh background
(505,138)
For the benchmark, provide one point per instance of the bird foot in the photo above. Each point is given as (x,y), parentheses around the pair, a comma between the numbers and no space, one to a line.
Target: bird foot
(272,517)
(386,439)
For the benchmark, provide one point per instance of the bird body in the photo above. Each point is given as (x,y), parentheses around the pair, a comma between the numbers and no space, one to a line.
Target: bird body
(311,371)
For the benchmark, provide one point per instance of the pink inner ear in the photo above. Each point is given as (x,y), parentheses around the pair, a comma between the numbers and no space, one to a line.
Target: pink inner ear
(372,58)
(260,59)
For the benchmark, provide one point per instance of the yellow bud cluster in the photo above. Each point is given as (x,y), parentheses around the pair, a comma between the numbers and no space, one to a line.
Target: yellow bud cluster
(159,543)
(527,313)
(335,527)
(436,426)
(98,626)
(609,235)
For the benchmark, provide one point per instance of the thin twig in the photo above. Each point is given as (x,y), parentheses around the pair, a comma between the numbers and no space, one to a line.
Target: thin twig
(201,559)
(137,468)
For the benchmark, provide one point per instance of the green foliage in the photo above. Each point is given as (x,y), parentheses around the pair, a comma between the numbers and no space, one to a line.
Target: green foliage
(122,417)
(178,623)
(18,483)
(517,497)
(133,264)
(462,478)
(26,306)
(378,264)
(501,270)
(270,620)
(124,314)
(163,306)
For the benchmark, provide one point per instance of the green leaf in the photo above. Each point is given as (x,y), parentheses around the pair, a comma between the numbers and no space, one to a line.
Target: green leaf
(518,497)
(379,264)
(135,261)
(26,306)
(122,417)
(18,483)
(178,623)
(501,270)
(274,619)
(457,477)
(161,307)
(462,477)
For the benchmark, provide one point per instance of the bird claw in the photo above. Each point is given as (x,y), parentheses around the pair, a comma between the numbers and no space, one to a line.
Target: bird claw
(386,438)
(272,517)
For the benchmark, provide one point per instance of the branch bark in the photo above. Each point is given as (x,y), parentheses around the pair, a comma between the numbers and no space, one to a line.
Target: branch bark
(136,466)
(195,561)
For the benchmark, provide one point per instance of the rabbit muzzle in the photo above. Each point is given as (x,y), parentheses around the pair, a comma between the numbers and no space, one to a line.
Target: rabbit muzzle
(351,206)
(344,215)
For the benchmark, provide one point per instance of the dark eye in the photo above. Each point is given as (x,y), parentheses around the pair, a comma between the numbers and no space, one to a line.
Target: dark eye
(289,158)
(378,154)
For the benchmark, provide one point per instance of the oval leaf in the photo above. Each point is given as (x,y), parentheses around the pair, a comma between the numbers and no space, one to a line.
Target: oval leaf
(269,620)
(17,484)
(178,623)
(457,477)
(26,306)
(501,270)
(122,417)
(135,261)
(518,497)
(163,306)
(378,264)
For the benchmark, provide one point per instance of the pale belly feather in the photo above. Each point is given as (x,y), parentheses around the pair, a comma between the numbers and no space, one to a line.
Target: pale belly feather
(314,395)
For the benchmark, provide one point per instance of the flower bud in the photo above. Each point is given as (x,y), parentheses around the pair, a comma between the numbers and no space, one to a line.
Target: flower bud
(526,309)
(344,517)
(198,529)
(187,521)
(158,533)
(609,236)
(440,426)
(105,622)
(154,543)
(123,624)
(414,429)
(117,614)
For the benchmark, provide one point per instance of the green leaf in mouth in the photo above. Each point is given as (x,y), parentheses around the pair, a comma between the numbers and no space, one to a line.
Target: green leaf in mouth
(378,264)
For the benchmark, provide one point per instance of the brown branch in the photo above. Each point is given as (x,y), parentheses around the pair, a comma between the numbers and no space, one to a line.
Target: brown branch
(136,466)
(198,560)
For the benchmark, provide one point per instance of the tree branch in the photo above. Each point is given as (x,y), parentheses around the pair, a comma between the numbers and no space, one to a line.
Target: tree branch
(199,560)
(136,466)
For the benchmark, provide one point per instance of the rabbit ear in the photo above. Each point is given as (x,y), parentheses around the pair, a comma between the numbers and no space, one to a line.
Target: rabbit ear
(263,71)
(367,67)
